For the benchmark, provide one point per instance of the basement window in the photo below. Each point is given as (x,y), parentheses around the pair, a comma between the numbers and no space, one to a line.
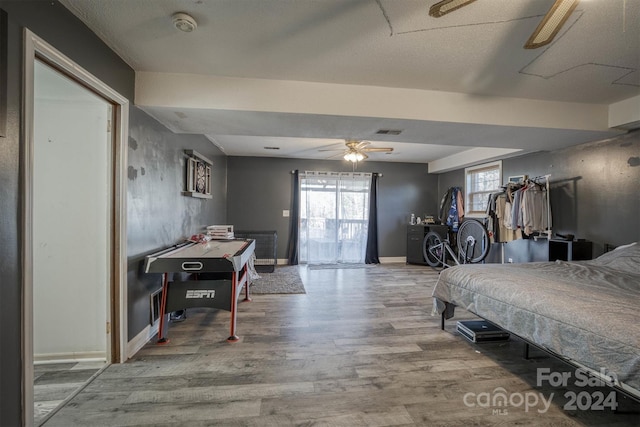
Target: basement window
(481,180)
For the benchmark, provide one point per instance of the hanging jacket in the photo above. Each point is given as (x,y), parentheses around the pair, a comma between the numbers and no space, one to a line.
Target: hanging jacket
(454,217)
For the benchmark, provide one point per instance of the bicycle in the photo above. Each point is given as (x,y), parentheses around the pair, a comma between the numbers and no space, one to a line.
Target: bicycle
(472,245)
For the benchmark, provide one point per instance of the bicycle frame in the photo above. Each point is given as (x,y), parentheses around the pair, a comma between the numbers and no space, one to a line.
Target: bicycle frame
(447,249)
(470,247)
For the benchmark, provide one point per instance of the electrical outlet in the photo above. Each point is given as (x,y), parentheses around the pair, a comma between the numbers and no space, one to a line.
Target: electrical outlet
(510,260)
(285,213)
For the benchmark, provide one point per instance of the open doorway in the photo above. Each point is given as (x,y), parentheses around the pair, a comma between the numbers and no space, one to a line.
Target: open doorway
(74,254)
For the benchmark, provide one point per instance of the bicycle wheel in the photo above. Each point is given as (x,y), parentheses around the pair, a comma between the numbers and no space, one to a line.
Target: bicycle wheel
(432,248)
(473,241)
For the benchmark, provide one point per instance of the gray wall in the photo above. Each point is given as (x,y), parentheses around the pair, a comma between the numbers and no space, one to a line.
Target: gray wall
(51,21)
(594,191)
(157,214)
(259,190)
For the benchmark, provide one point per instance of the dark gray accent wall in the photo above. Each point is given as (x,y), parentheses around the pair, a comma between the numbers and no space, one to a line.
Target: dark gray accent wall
(158,215)
(259,190)
(594,191)
(55,24)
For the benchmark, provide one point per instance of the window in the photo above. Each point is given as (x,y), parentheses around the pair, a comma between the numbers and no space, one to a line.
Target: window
(481,181)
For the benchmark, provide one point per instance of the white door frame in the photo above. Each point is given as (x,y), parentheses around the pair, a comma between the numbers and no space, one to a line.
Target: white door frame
(35,47)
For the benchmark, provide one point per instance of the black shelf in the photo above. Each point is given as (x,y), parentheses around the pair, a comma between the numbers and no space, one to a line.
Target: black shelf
(415,238)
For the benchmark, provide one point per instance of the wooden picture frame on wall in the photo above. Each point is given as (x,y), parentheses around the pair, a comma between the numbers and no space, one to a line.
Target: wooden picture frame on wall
(3,73)
(198,175)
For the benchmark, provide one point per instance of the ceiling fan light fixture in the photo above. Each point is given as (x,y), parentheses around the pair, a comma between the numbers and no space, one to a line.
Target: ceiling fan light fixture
(551,23)
(446,6)
(354,156)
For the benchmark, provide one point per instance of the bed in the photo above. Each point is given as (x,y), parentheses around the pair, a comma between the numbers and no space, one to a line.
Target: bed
(585,312)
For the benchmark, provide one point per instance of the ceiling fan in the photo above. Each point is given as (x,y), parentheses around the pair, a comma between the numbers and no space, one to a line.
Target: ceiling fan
(356,150)
(544,33)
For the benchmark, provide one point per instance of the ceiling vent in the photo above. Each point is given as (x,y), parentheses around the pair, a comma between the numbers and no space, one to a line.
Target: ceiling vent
(388,132)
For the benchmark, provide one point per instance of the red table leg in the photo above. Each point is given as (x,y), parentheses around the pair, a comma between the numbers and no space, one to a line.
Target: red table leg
(163,307)
(234,306)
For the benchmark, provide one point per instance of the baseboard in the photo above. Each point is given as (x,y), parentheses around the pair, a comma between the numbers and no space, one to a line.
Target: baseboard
(141,339)
(85,356)
(393,260)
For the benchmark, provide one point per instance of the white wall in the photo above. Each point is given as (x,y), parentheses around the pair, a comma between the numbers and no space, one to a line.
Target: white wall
(71,219)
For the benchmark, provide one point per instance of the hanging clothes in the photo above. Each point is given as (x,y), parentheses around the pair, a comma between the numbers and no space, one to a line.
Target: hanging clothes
(452,208)
(503,215)
(521,208)
(534,209)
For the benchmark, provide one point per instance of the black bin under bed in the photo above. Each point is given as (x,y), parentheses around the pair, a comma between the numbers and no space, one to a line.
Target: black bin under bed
(266,246)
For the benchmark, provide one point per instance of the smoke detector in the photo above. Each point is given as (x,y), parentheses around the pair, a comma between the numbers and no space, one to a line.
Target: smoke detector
(184,22)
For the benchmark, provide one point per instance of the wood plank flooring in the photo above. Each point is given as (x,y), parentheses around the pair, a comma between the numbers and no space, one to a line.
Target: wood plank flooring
(53,383)
(360,348)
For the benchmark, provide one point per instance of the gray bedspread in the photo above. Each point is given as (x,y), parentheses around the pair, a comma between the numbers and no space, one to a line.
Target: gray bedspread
(586,311)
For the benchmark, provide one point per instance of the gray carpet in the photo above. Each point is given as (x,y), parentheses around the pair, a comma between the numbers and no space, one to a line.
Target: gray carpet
(339,266)
(284,280)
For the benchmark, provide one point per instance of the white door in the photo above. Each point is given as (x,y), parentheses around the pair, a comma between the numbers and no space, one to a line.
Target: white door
(74,219)
(71,218)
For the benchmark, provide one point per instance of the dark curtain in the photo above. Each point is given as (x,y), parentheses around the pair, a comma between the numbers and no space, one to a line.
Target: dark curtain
(294,220)
(371,255)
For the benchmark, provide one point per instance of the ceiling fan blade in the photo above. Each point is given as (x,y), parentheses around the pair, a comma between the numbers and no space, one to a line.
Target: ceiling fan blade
(362,144)
(378,150)
(333,149)
(551,23)
(446,6)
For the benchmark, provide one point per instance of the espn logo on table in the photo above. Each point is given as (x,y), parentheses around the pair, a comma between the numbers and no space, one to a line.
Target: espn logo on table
(200,293)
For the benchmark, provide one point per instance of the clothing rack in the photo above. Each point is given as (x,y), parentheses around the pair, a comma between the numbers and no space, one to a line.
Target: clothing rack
(544,221)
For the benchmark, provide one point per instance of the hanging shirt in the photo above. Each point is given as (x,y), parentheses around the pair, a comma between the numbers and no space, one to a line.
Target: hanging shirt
(456,211)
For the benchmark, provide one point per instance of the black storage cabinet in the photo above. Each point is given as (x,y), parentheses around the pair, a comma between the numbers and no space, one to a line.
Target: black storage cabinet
(266,248)
(540,250)
(415,238)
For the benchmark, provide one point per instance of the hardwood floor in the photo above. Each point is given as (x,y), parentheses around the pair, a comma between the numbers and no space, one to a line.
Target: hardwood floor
(360,348)
(53,383)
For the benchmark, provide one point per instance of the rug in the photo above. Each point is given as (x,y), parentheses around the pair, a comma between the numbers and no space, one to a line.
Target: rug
(284,280)
(339,266)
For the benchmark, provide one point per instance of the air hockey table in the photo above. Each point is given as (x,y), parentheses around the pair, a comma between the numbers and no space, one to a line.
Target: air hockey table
(219,268)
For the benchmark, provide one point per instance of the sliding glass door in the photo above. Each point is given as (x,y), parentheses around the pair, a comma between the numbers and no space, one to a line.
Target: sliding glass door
(334,216)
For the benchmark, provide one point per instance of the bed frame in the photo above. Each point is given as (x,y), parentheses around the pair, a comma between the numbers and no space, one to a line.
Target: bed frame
(620,387)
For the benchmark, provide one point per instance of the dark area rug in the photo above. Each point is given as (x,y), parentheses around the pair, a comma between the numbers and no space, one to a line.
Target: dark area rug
(284,280)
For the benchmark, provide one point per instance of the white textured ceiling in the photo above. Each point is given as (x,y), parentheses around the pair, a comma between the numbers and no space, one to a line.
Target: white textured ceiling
(476,51)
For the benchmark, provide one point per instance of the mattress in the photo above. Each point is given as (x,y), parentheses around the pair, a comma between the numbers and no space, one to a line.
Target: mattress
(585,311)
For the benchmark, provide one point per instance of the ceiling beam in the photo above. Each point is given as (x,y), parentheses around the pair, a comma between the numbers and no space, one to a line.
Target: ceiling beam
(243,94)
